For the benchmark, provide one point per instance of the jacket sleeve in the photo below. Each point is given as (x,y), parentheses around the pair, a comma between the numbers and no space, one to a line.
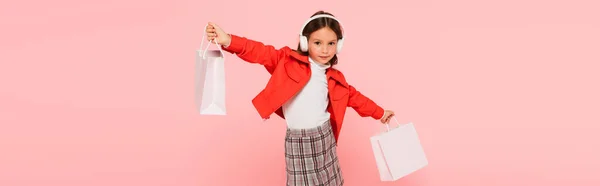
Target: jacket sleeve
(255,52)
(363,105)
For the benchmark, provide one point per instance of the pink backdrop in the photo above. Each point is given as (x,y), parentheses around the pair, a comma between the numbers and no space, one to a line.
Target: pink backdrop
(100,93)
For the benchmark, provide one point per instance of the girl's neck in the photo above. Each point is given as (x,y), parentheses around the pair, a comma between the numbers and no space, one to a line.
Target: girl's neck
(322,66)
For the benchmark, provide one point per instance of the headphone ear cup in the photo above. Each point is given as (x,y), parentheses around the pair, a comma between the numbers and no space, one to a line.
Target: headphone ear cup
(303,43)
(339,45)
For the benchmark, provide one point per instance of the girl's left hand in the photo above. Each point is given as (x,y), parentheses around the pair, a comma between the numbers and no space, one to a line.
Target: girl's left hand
(387,115)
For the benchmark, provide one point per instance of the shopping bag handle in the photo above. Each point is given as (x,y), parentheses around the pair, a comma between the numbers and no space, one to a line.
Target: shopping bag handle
(387,126)
(214,40)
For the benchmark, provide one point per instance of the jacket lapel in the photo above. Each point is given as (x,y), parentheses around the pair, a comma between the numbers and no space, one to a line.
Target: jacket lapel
(336,75)
(294,70)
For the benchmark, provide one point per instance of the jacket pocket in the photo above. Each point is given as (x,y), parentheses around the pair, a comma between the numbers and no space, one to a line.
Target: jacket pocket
(291,69)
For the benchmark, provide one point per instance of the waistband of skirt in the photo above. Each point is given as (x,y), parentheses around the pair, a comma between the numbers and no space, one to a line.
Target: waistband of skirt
(322,129)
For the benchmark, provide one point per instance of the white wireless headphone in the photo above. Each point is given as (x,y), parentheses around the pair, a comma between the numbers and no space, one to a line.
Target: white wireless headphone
(304,39)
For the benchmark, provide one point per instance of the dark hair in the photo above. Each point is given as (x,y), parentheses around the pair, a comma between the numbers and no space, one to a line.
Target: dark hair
(319,23)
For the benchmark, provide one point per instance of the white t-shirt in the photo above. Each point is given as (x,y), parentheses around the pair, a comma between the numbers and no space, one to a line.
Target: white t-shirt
(308,108)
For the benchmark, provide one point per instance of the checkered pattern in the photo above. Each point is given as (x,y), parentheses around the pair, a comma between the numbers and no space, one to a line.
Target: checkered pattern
(311,157)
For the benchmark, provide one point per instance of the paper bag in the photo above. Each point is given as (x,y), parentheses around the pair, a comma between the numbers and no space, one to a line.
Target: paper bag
(210,80)
(398,152)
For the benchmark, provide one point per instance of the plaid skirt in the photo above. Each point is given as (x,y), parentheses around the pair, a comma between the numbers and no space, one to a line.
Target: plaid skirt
(311,157)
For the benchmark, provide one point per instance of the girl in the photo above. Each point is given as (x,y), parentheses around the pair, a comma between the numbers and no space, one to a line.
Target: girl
(308,93)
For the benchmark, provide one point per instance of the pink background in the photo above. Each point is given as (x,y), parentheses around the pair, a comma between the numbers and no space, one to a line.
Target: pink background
(100,93)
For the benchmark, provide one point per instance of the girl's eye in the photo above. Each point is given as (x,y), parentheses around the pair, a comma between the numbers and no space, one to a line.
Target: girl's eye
(317,43)
(332,43)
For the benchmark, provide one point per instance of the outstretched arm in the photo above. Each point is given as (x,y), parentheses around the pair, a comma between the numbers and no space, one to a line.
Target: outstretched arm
(255,52)
(248,50)
(366,107)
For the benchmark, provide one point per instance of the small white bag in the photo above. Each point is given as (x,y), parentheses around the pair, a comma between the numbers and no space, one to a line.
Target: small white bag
(398,152)
(210,80)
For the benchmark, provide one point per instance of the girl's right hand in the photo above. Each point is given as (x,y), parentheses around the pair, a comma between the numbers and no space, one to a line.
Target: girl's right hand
(214,32)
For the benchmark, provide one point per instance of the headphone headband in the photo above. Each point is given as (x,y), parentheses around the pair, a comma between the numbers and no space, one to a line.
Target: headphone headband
(320,16)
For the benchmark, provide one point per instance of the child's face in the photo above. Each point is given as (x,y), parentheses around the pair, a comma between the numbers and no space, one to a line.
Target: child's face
(322,45)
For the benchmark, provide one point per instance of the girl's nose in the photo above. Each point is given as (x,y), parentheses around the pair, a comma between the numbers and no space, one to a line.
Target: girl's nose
(325,49)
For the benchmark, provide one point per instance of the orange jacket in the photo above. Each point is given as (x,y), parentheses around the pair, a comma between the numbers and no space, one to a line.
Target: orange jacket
(290,71)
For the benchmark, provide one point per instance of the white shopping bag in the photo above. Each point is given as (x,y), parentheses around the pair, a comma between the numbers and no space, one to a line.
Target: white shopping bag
(210,80)
(398,152)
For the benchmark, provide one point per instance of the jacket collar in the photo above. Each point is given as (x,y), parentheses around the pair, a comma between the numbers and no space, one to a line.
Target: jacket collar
(331,72)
